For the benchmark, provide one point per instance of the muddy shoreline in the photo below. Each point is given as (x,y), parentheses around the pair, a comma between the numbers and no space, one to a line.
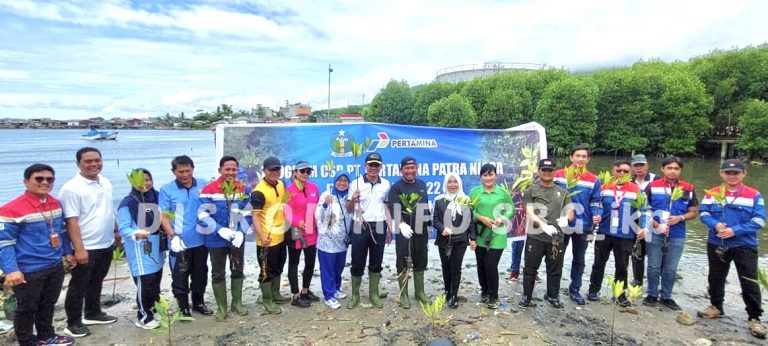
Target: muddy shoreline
(471,323)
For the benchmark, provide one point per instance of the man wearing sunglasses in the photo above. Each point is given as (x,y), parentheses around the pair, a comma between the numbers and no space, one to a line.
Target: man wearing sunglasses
(370,231)
(33,240)
(734,217)
(618,227)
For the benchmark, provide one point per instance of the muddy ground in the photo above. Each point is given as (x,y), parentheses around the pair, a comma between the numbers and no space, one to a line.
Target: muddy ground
(471,323)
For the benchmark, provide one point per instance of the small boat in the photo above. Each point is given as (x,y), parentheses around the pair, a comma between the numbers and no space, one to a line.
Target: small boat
(95,135)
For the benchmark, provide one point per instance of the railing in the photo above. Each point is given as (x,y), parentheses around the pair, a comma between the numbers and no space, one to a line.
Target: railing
(725,131)
(492,65)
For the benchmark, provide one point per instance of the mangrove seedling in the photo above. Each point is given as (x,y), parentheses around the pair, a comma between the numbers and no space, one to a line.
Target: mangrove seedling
(617,290)
(117,254)
(409,201)
(718,196)
(762,279)
(432,310)
(167,317)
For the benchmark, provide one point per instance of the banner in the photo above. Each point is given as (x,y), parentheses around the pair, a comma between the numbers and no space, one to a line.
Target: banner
(344,146)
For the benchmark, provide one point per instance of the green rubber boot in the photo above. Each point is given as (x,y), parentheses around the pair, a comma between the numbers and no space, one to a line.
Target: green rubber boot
(418,283)
(373,290)
(237,297)
(220,293)
(405,301)
(354,299)
(266,299)
(276,297)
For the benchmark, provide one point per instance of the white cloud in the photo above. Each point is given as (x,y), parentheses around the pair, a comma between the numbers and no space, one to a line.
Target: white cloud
(115,57)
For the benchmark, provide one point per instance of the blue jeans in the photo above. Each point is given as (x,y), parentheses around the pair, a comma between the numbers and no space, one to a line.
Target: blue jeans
(579,251)
(517,255)
(664,266)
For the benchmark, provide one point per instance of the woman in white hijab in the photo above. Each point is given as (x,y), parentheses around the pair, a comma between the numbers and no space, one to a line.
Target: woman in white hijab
(455,230)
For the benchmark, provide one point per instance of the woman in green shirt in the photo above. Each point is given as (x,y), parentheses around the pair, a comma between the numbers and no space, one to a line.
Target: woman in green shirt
(492,212)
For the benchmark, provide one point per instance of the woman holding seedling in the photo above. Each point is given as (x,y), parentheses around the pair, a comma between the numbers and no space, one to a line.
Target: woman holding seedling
(139,225)
(333,227)
(452,219)
(493,209)
(303,236)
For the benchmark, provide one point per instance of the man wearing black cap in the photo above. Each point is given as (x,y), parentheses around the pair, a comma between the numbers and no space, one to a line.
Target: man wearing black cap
(370,232)
(409,206)
(734,217)
(268,221)
(544,202)
(641,178)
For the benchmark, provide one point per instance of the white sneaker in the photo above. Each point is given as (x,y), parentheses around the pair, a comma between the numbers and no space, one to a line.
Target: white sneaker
(153,324)
(339,295)
(332,303)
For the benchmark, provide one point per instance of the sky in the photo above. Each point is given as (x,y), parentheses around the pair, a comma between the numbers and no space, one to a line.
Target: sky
(118,58)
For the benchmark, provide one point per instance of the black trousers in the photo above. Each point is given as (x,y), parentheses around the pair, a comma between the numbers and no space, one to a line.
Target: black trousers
(310,255)
(219,256)
(85,286)
(147,293)
(416,248)
(451,265)
(271,261)
(535,250)
(745,259)
(368,244)
(638,265)
(34,304)
(488,270)
(190,263)
(622,250)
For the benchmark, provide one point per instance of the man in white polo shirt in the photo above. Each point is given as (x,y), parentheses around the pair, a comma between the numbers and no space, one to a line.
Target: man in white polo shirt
(86,201)
(370,232)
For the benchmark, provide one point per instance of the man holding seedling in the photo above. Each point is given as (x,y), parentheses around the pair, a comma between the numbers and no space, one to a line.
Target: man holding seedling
(370,229)
(268,201)
(32,242)
(409,205)
(734,214)
(544,202)
(86,201)
(619,229)
(672,202)
(588,211)
(221,216)
(641,178)
(189,256)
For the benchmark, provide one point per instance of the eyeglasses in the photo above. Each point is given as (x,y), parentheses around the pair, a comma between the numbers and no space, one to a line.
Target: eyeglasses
(50,180)
(306,171)
(621,170)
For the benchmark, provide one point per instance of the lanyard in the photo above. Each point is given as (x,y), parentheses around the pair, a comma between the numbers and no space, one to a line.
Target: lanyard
(736,195)
(48,217)
(618,197)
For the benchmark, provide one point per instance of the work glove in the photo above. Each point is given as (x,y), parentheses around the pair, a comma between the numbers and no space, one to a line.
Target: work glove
(549,230)
(406,230)
(177,245)
(227,233)
(237,241)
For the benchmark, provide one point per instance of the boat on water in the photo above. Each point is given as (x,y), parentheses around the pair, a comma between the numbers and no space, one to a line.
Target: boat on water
(96,135)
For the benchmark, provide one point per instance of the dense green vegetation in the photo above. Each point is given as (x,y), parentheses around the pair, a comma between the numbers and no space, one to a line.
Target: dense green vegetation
(650,106)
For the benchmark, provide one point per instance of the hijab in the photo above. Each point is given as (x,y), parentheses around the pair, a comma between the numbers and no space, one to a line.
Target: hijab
(135,197)
(336,192)
(453,207)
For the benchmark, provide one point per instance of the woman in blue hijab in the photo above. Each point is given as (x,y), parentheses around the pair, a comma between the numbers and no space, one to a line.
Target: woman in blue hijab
(139,226)
(333,227)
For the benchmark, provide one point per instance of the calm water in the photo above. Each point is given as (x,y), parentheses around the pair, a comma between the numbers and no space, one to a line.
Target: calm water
(154,149)
(151,149)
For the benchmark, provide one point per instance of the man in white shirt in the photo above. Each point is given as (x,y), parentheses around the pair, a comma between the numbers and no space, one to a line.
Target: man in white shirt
(370,232)
(86,201)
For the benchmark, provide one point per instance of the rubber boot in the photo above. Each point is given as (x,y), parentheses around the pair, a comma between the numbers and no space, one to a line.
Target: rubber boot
(373,290)
(237,297)
(266,299)
(418,283)
(220,293)
(183,301)
(277,298)
(354,299)
(405,301)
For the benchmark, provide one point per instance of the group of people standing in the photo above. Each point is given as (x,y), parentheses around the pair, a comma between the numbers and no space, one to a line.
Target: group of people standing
(198,220)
